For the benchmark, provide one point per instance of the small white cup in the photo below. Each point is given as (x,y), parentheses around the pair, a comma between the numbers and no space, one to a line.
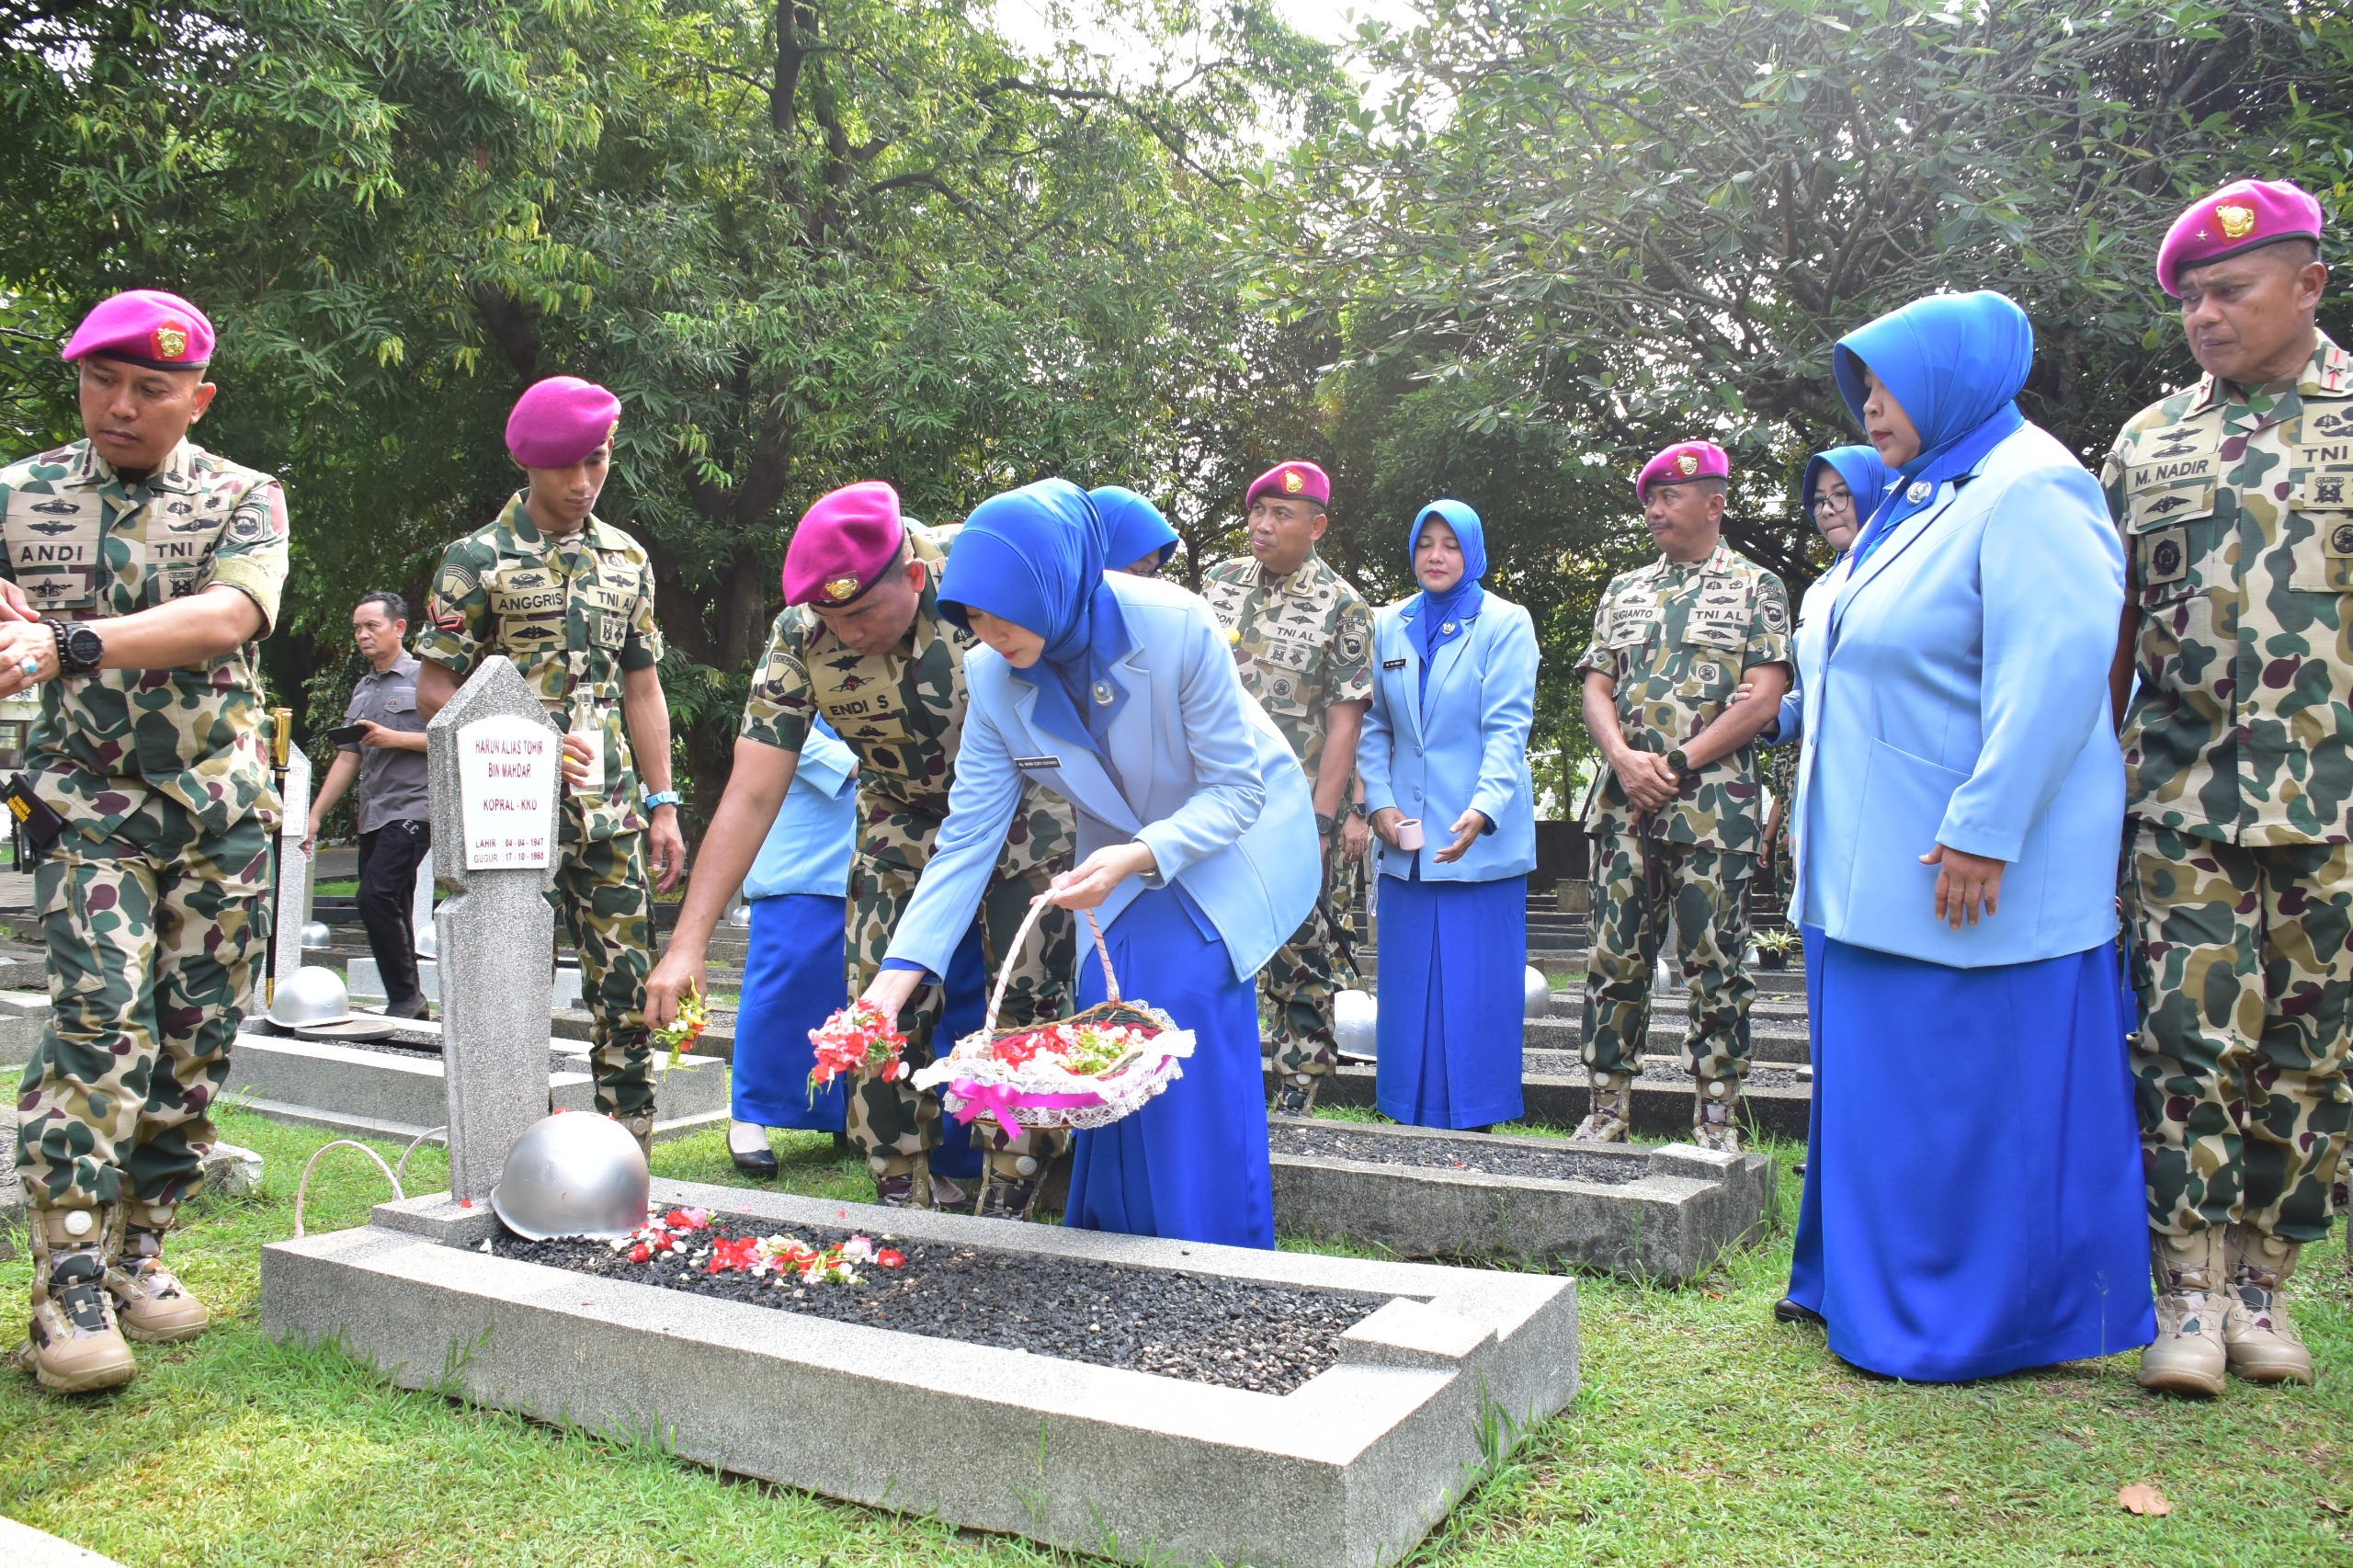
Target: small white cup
(1409,833)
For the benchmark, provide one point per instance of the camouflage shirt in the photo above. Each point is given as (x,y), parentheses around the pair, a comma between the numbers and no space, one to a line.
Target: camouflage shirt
(1675,637)
(85,545)
(1303,642)
(573,613)
(2236,507)
(901,712)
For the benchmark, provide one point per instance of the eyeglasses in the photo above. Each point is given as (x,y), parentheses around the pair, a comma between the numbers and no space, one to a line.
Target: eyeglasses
(1833,502)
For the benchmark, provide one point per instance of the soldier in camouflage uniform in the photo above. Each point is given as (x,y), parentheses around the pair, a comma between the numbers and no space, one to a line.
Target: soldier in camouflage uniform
(2235,498)
(861,642)
(159,566)
(570,599)
(1302,637)
(1674,816)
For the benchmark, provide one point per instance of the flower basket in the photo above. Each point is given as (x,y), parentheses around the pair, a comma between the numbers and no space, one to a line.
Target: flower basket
(1087,1071)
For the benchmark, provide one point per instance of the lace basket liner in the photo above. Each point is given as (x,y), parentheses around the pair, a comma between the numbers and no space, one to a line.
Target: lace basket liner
(1042,1093)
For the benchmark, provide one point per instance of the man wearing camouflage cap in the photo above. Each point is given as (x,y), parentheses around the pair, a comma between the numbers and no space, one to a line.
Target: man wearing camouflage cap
(570,599)
(140,572)
(1675,814)
(2235,498)
(863,643)
(1302,637)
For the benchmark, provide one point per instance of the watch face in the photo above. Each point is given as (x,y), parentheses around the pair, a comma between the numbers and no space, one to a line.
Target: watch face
(84,645)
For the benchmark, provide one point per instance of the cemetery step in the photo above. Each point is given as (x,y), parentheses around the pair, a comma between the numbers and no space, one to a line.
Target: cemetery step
(1776,1099)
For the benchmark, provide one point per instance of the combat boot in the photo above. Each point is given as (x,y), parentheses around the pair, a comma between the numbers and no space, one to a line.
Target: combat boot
(1715,1115)
(2187,1355)
(1295,1095)
(640,1127)
(1010,1187)
(150,1303)
(901,1181)
(1611,1119)
(2258,1341)
(74,1344)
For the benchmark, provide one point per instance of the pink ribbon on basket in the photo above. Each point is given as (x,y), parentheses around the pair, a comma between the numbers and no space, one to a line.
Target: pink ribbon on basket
(998,1100)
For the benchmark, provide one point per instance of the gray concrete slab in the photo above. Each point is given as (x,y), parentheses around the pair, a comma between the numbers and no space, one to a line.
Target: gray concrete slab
(1349,1471)
(21,1546)
(1666,1214)
(1777,1100)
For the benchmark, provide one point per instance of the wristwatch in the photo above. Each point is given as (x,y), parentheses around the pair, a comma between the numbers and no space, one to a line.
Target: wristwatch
(1324,825)
(79,649)
(1681,763)
(661,798)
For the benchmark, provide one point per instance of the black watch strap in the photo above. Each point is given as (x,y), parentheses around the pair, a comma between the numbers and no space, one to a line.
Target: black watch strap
(79,649)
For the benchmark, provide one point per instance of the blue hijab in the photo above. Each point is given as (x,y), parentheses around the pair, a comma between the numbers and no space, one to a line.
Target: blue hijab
(1438,618)
(1034,556)
(1133,528)
(1866,480)
(1956,363)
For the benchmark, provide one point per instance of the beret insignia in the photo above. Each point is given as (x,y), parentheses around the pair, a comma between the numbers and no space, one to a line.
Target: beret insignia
(2237,222)
(611,430)
(171,341)
(1687,463)
(841,588)
(1292,482)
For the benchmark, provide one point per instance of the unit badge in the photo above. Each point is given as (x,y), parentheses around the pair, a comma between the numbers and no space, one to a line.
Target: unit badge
(2237,222)
(841,588)
(1292,482)
(1687,463)
(171,341)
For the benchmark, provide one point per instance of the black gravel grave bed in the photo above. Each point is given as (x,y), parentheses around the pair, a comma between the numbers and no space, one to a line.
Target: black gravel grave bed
(1265,1338)
(1338,1140)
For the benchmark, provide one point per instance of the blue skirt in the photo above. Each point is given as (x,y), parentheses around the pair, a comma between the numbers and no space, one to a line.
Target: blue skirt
(1190,1165)
(793,983)
(793,980)
(1973,1198)
(1454,968)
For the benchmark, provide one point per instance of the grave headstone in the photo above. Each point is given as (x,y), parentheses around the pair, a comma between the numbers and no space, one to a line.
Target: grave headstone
(420,916)
(491,762)
(293,866)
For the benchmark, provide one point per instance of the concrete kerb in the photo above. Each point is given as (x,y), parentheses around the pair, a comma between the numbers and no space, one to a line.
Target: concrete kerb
(1680,1207)
(1662,1104)
(1346,1472)
(380,1094)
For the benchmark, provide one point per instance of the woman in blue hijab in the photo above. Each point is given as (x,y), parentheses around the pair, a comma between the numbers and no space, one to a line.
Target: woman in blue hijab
(1137,539)
(1972,1196)
(1444,758)
(1196,841)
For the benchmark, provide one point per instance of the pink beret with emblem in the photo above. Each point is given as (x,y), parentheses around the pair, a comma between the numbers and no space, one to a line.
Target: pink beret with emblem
(1683,461)
(147,327)
(2243,215)
(1292,480)
(843,544)
(559,420)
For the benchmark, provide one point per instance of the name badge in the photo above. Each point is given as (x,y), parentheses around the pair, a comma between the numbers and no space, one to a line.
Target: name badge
(1032,764)
(1392,664)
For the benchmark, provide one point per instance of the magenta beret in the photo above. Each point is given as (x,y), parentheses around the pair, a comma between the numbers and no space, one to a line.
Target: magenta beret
(1684,459)
(844,545)
(559,420)
(1292,480)
(147,327)
(2243,215)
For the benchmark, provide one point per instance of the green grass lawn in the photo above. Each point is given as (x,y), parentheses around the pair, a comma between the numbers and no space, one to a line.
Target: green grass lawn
(1703,1434)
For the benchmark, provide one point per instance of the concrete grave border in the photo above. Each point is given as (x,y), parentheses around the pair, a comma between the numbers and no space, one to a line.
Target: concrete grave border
(1686,1207)
(1349,1471)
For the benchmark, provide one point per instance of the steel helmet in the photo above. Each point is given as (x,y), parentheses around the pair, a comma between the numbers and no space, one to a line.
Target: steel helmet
(1354,1019)
(573,1174)
(310,996)
(1540,992)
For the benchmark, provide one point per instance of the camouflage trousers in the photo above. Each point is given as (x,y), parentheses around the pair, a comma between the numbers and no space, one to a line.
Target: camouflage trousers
(2243,970)
(155,938)
(893,1119)
(605,904)
(1708,890)
(1300,981)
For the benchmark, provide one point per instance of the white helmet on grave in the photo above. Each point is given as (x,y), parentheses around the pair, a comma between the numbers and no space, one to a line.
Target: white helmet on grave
(1356,1025)
(1538,991)
(309,997)
(573,1174)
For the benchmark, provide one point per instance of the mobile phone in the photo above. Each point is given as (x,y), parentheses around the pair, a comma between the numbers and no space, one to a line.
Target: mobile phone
(347,735)
(40,820)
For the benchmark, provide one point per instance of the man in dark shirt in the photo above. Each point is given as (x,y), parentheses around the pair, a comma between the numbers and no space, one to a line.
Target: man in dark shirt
(395,822)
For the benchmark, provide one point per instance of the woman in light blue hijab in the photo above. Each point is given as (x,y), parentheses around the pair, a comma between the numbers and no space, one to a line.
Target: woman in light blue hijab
(1972,1196)
(1136,538)
(1446,741)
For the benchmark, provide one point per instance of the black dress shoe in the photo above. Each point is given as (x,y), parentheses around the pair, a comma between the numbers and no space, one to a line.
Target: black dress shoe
(760,1162)
(1788,1310)
(415,1008)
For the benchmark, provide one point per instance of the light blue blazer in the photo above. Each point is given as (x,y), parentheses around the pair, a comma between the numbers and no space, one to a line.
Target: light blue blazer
(808,846)
(1813,614)
(1210,787)
(1957,694)
(1464,744)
